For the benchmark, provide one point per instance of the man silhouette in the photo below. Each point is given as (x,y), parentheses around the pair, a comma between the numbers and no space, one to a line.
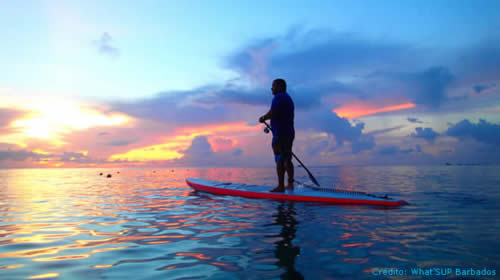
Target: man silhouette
(281,115)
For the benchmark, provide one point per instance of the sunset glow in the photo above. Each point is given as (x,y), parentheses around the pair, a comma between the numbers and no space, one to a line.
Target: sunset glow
(173,146)
(358,110)
(49,120)
(236,127)
(89,86)
(167,151)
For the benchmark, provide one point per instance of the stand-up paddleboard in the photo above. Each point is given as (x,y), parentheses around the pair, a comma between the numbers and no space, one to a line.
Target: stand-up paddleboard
(300,193)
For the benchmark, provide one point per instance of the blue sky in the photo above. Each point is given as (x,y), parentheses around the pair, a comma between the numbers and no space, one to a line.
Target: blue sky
(167,45)
(211,62)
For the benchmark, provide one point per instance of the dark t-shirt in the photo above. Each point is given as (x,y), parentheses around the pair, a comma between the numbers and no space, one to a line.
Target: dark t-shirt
(283,114)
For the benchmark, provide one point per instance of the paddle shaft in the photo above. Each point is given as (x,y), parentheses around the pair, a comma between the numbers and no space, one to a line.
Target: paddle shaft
(301,163)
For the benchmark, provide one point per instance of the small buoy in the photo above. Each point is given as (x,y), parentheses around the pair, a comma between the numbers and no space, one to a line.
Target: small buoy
(154,171)
(172,170)
(109,176)
(100,174)
(118,172)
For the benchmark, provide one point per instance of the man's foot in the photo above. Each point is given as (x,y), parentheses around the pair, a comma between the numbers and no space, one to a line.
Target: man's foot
(278,189)
(289,186)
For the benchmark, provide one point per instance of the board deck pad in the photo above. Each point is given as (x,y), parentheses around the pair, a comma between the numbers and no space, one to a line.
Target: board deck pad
(300,193)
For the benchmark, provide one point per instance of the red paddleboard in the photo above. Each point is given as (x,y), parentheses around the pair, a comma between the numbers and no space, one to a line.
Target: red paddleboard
(300,193)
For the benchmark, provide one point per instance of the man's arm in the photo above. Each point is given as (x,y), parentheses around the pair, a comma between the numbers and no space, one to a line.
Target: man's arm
(267,116)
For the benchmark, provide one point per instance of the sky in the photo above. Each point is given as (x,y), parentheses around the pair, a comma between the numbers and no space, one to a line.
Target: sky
(183,83)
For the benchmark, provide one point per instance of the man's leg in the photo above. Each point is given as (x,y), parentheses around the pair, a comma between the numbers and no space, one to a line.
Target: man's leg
(287,148)
(280,167)
(280,171)
(289,171)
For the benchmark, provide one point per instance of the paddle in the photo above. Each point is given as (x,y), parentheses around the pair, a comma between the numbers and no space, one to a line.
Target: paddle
(302,164)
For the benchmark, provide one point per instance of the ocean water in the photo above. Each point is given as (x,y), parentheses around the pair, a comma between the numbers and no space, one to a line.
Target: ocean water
(148,224)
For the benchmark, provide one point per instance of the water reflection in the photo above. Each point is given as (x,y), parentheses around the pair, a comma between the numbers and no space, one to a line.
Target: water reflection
(285,251)
(149,225)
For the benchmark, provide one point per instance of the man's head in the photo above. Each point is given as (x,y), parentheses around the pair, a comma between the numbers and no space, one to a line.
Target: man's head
(279,85)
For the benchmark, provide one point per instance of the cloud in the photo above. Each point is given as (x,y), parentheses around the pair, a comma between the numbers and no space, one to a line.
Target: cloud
(414,120)
(482,131)
(469,150)
(394,150)
(124,142)
(397,155)
(385,130)
(19,155)
(252,61)
(305,97)
(425,133)
(237,152)
(406,151)
(178,108)
(209,105)
(481,88)
(7,146)
(7,116)
(343,131)
(316,55)
(201,153)
(324,70)
(479,62)
(363,67)
(389,150)
(364,142)
(222,143)
(418,148)
(429,86)
(105,45)
(314,149)
(70,156)
(12,157)
(320,65)
(476,68)
(236,95)
(200,148)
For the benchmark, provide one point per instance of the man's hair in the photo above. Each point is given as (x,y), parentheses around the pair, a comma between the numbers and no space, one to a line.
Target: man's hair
(280,83)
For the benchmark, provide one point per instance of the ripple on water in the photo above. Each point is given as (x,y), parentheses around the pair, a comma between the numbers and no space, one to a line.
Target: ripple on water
(68,224)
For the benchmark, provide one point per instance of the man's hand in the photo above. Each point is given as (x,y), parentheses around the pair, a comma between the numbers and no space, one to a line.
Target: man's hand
(267,116)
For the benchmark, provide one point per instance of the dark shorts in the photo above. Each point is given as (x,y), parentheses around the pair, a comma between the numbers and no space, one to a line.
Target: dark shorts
(282,148)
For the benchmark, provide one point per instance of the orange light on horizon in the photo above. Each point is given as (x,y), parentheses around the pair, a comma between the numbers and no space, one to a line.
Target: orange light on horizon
(217,128)
(48,121)
(358,110)
(173,146)
(165,151)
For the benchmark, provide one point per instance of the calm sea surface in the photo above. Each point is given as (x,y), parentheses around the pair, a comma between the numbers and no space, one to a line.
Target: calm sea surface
(148,224)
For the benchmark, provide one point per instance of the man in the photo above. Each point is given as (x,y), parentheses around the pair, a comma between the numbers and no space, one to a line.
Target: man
(281,115)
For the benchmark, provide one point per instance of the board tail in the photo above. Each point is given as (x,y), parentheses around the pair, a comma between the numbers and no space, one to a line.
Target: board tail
(321,189)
